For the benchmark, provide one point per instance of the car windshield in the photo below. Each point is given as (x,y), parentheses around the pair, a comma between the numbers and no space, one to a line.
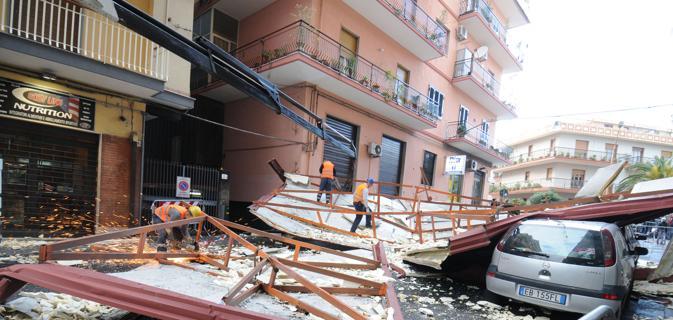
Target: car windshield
(556,243)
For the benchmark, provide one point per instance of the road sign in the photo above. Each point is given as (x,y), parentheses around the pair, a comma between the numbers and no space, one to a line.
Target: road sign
(455,165)
(183,186)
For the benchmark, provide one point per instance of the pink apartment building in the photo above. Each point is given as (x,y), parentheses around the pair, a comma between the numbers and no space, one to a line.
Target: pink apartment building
(420,79)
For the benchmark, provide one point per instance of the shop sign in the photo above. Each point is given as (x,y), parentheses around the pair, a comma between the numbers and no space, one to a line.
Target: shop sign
(183,187)
(25,101)
(455,165)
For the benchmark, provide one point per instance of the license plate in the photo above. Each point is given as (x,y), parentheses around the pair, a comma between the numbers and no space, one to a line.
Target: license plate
(542,295)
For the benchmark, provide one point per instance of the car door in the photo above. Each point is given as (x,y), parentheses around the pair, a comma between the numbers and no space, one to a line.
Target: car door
(627,261)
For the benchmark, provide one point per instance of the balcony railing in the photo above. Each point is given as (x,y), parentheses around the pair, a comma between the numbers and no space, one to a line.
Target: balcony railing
(480,6)
(303,38)
(479,137)
(560,183)
(63,25)
(409,11)
(568,153)
(486,12)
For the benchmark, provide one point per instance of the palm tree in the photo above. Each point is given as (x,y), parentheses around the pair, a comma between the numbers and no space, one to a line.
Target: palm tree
(659,168)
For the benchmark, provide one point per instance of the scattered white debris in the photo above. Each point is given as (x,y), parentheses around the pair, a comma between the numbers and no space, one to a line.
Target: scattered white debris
(446,300)
(463,297)
(489,305)
(659,289)
(426,312)
(49,305)
(427,300)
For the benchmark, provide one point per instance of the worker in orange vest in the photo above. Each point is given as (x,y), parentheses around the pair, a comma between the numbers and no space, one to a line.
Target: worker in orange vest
(327,173)
(174,212)
(361,204)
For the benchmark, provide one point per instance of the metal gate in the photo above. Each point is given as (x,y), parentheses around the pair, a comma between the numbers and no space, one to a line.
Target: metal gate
(48,180)
(343,163)
(390,169)
(207,184)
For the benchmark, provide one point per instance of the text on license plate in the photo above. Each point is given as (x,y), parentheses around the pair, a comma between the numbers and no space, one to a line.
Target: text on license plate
(542,295)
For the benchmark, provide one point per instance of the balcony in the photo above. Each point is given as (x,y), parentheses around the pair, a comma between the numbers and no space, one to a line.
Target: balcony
(300,53)
(74,43)
(478,143)
(515,13)
(486,29)
(407,23)
(566,155)
(479,84)
(528,187)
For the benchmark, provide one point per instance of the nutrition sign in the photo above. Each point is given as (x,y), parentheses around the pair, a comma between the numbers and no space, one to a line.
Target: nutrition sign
(25,101)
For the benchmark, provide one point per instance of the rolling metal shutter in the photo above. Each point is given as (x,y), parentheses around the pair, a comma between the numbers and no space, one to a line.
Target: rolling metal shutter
(391,164)
(49,180)
(343,163)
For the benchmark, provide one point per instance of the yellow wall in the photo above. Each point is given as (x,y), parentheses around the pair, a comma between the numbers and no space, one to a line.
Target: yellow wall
(146,6)
(108,108)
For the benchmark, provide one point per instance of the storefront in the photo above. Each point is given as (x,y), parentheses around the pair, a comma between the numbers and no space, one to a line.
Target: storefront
(56,146)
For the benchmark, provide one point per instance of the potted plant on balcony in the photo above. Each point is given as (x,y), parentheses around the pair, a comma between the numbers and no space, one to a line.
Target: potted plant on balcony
(279,53)
(266,56)
(387,96)
(414,101)
(376,87)
(364,81)
(352,63)
(462,130)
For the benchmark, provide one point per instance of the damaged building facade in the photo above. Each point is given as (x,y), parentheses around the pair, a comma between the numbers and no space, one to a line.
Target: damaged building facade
(410,83)
(74,90)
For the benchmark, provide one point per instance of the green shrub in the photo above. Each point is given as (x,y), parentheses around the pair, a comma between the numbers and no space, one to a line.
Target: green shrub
(544,197)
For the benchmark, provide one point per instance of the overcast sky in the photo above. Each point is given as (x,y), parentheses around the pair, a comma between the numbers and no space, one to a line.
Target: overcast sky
(592,55)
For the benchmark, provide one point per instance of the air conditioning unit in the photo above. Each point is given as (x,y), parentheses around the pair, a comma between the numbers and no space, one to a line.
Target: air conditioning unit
(481,54)
(474,165)
(461,33)
(374,150)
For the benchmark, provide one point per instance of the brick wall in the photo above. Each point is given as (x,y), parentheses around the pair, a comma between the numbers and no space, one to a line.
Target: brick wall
(114,209)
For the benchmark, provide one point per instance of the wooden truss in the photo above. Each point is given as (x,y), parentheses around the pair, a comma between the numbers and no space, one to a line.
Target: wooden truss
(80,249)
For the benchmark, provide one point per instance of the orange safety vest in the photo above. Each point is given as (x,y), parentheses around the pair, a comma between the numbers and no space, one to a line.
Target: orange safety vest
(358,197)
(162,212)
(327,170)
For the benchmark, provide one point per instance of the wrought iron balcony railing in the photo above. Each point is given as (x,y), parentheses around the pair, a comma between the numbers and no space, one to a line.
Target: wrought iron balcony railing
(66,26)
(478,137)
(409,11)
(300,37)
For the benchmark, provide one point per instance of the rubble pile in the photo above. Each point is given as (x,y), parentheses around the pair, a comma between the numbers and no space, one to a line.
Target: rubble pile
(49,305)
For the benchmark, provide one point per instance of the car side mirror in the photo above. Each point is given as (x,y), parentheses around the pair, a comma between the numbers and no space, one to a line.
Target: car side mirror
(640,251)
(640,236)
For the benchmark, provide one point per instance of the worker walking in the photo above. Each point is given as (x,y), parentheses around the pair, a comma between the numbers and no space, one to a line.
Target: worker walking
(361,204)
(327,173)
(175,212)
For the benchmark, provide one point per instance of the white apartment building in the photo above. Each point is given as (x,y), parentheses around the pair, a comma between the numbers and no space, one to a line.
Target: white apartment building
(566,155)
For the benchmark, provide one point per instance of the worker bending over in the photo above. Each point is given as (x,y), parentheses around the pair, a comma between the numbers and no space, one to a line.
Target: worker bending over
(327,173)
(361,204)
(175,212)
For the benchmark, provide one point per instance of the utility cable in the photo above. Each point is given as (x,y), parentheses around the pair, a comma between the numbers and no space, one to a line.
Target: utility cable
(243,130)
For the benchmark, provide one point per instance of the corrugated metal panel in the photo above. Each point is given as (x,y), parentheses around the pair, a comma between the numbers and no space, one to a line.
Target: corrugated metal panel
(391,164)
(343,163)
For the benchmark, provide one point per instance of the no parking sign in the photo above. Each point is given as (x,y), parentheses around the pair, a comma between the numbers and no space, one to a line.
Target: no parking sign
(183,186)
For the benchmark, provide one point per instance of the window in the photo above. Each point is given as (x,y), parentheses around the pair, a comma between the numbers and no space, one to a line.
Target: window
(666,154)
(581,148)
(552,145)
(403,76)
(550,173)
(526,176)
(436,101)
(483,135)
(577,180)
(429,160)
(348,52)
(463,113)
(637,154)
(610,151)
(530,150)
(225,31)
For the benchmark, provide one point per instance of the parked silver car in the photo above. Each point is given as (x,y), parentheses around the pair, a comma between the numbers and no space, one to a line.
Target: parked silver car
(572,266)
